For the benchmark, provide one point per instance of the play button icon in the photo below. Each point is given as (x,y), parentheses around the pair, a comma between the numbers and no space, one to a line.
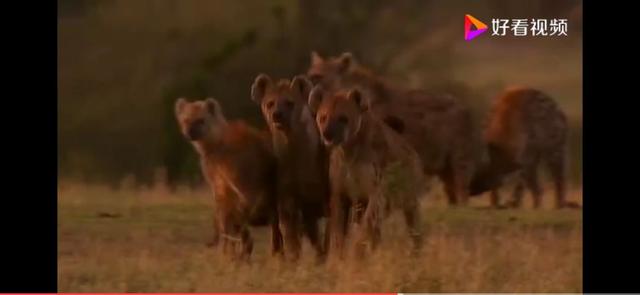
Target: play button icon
(473,27)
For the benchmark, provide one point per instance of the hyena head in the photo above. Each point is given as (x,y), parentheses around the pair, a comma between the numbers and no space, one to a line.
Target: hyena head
(339,114)
(200,120)
(331,71)
(283,103)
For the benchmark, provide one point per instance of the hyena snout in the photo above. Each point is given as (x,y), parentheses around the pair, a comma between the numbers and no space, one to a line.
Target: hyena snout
(196,130)
(327,135)
(278,117)
(333,134)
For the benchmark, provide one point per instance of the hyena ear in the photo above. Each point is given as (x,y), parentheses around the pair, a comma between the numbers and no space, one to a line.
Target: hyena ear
(315,98)
(180,104)
(346,60)
(213,107)
(361,101)
(301,86)
(259,87)
(316,58)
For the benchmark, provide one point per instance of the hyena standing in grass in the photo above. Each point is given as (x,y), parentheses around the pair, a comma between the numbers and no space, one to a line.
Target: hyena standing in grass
(303,184)
(438,126)
(239,166)
(372,168)
(525,129)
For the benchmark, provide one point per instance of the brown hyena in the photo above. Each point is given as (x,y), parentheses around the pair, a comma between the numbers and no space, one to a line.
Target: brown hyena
(525,129)
(303,177)
(438,126)
(372,168)
(238,164)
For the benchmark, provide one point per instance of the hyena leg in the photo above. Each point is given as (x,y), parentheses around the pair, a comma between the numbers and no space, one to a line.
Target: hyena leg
(363,226)
(412,220)
(227,247)
(461,177)
(359,209)
(531,179)
(247,244)
(371,221)
(287,215)
(225,230)
(215,239)
(495,198)
(461,191)
(375,234)
(557,168)
(518,191)
(449,187)
(310,223)
(355,221)
(276,238)
(233,237)
(326,243)
(337,224)
(527,177)
(219,219)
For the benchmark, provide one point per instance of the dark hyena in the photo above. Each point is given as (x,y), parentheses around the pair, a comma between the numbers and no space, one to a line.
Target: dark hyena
(303,184)
(525,129)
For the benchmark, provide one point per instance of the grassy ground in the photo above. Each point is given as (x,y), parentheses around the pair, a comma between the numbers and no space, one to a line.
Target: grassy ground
(149,240)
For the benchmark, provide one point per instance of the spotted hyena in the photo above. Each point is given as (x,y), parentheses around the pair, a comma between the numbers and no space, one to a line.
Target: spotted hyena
(239,166)
(303,177)
(525,129)
(438,126)
(372,168)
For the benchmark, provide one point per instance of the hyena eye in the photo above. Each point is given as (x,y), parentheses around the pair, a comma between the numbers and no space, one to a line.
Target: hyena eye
(270,104)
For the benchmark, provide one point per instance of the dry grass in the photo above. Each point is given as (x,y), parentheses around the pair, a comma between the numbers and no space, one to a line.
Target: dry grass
(152,241)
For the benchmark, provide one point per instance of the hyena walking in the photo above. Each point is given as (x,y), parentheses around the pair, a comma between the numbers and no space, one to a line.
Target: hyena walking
(525,129)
